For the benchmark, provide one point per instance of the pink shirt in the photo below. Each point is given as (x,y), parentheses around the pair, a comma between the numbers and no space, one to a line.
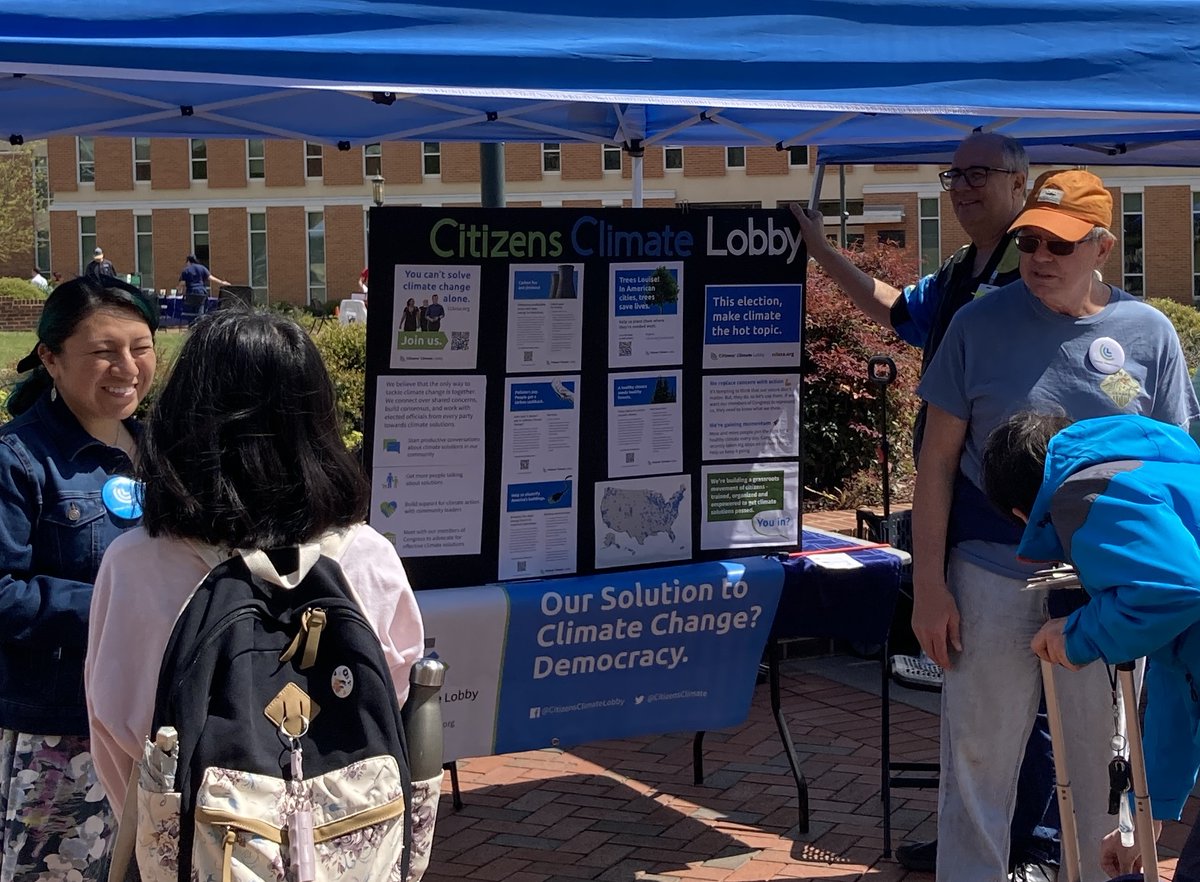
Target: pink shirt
(141,588)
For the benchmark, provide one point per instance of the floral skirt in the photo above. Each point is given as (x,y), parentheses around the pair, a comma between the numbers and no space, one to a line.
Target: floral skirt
(55,822)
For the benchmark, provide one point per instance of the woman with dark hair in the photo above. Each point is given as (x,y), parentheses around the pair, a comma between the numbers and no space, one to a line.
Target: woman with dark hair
(410,316)
(242,451)
(65,494)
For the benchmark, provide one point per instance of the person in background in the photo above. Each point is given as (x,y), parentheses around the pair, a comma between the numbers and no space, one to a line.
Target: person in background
(196,279)
(100,266)
(64,462)
(362,281)
(39,280)
(1069,343)
(986,183)
(1118,498)
(242,450)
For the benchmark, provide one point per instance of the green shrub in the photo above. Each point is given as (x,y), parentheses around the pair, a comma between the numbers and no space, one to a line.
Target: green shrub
(344,348)
(1186,320)
(20,289)
(842,409)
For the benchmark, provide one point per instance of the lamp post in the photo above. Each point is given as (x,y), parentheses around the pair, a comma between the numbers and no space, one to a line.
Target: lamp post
(377,189)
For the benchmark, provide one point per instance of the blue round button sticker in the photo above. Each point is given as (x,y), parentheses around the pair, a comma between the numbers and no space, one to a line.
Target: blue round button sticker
(123,497)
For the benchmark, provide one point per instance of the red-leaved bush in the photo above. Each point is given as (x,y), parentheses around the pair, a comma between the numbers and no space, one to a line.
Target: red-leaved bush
(842,409)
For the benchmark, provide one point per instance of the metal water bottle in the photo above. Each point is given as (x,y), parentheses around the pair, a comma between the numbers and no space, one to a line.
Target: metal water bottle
(422,716)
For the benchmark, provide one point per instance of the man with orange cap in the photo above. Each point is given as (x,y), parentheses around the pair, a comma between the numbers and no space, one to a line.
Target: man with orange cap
(1057,341)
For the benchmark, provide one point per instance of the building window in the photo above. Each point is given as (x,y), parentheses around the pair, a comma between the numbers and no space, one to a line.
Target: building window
(85,149)
(143,227)
(892,237)
(313,160)
(431,158)
(735,157)
(673,158)
(87,239)
(256,159)
(141,159)
(199,161)
(1133,254)
(200,237)
(797,157)
(41,244)
(316,257)
(258,256)
(611,157)
(1196,248)
(372,160)
(552,157)
(930,230)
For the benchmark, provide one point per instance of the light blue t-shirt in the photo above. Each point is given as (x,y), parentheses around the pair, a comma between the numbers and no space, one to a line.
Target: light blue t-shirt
(1008,352)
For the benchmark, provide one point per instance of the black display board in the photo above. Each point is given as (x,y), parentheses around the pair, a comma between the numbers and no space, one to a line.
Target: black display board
(704,299)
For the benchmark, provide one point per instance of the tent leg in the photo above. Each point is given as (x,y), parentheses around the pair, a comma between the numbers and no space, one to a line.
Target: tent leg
(637,180)
(491,175)
(814,201)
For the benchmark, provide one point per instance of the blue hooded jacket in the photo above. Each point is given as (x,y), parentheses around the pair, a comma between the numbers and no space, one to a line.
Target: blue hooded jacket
(1120,500)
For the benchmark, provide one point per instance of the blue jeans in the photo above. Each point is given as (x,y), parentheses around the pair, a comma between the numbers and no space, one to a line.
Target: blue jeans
(1035,825)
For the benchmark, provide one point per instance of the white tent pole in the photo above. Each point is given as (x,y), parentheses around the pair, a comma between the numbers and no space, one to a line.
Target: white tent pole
(814,201)
(637,179)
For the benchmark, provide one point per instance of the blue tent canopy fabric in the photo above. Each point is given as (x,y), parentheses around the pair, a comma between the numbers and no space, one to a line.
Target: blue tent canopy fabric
(700,72)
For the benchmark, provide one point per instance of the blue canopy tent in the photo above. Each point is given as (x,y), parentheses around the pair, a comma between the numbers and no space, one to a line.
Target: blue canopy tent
(821,72)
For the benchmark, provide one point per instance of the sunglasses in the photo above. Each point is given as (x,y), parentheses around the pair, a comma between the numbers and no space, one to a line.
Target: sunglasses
(1057,247)
(976,176)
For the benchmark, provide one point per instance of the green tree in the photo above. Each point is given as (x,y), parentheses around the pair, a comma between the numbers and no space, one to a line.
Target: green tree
(18,205)
(664,289)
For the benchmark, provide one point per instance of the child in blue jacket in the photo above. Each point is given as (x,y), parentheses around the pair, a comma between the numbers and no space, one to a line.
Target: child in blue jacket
(1119,497)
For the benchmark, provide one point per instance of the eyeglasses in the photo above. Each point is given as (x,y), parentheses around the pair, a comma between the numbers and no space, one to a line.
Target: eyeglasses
(1057,247)
(976,176)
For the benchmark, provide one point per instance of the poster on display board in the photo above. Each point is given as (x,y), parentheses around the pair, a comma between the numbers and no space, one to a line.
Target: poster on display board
(602,381)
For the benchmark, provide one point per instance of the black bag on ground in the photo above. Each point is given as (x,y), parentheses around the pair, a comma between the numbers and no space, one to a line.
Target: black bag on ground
(290,762)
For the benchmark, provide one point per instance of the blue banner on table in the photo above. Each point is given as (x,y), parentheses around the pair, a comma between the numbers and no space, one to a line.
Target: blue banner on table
(671,649)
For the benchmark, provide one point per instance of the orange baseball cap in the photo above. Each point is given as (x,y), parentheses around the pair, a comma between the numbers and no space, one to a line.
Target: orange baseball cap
(1067,203)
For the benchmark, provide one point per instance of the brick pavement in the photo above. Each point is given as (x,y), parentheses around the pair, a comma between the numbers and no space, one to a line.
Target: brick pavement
(627,811)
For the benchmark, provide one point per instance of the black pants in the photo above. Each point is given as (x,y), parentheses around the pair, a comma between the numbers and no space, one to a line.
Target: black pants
(1188,867)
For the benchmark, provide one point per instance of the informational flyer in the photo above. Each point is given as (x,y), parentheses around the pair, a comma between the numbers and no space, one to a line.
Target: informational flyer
(545,317)
(751,416)
(427,479)
(538,524)
(749,326)
(645,315)
(644,520)
(645,424)
(750,504)
(436,317)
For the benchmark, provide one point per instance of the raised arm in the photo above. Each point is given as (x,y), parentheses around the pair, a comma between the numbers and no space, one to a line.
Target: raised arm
(873,297)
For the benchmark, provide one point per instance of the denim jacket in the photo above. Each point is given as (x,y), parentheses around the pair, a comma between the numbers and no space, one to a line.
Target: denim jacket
(54,529)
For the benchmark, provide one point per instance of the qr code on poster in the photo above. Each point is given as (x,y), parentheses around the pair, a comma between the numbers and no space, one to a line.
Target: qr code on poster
(624,348)
(460,341)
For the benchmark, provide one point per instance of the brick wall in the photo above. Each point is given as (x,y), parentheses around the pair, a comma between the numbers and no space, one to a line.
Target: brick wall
(1168,220)
(172,244)
(229,245)
(283,163)
(287,245)
(226,164)
(402,162)
(460,163)
(343,168)
(344,255)
(19,315)
(907,202)
(114,164)
(765,161)
(704,162)
(522,162)
(953,235)
(114,233)
(64,243)
(652,164)
(170,165)
(581,162)
(60,155)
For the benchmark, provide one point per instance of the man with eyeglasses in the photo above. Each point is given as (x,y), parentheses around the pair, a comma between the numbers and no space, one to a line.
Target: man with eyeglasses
(987,189)
(1057,341)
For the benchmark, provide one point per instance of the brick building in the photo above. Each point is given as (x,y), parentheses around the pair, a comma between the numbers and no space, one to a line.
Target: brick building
(289,218)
